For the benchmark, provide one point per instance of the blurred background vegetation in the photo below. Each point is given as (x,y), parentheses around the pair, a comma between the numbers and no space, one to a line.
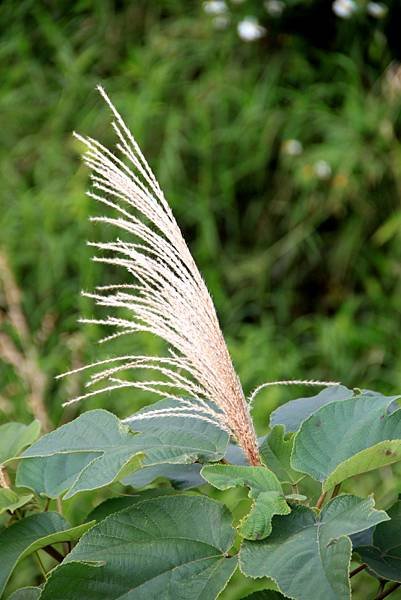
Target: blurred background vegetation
(274,128)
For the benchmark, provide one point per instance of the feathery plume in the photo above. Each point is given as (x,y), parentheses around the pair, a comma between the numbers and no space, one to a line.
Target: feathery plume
(168,297)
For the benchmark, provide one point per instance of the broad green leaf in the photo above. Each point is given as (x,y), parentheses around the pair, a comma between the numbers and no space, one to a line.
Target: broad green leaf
(182,477)
(27,593)
(379,455)
(14,437)
(265,595)
(9,500)
(293,413)
(276,454)
(384,554)
(307,552)
(113,505)
(173,547)
(179,439)
(96,449)
(332,444)
(30,534)
(51,476)
(264,489)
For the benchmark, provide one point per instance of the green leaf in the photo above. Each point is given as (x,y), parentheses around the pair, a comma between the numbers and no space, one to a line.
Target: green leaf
(307,552)
(346,438)
(27,593)
(9,500)
(276,454)
(51,476)
(264,489)
(14,437)
(34,532)
(384,555)
(181,477)
(96,449)
(113,505)
(265,595)
(169,547)
(293,413)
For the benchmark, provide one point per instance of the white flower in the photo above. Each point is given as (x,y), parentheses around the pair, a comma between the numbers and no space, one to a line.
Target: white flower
(322,169)
(274,7)
(215,7)
(344,8)
(292,147)
(376,9)
(249,29)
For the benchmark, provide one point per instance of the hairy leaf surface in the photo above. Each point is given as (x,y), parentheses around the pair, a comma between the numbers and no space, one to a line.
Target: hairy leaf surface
(173,548)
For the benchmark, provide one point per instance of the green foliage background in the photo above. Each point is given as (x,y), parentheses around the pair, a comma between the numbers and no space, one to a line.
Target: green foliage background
(304,270)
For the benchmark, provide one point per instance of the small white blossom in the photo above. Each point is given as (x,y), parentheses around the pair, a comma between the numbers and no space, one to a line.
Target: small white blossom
(274,7)
(376,9)
(292,147)
(322,169)
(250,30)
(344,8)
(215,7)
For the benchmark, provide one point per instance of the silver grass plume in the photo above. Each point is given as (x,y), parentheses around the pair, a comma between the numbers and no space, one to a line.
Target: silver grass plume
(168,297)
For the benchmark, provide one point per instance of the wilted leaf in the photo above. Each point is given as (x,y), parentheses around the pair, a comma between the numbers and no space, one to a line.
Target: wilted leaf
(307,552)
(264,489)
(174,547)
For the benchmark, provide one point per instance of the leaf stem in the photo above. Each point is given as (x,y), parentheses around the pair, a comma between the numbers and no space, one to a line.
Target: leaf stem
(321,499)
(357,570)
(336,490)
(53,553)
(389,591)
(4,478)
(41,566)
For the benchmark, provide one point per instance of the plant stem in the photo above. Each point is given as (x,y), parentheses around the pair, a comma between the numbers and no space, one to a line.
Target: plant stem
(4,478)
(54,553)
(358,569)
(336,490)
(389,591)
(41,567)
(321,499)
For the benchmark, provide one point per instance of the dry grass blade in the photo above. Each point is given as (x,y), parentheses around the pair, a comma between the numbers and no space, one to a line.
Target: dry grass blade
(168,296)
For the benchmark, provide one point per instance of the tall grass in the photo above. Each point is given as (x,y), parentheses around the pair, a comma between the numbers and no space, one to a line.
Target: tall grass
(302,260)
